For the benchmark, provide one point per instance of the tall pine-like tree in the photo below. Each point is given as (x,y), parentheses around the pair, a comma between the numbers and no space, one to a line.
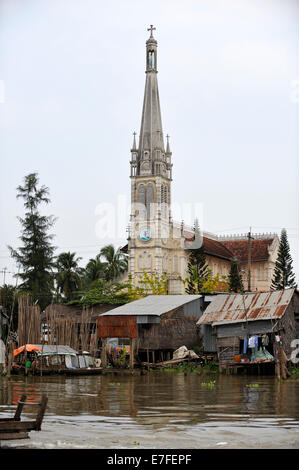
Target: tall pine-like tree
(35,257)
(283,276)
(235,278)
(198,271)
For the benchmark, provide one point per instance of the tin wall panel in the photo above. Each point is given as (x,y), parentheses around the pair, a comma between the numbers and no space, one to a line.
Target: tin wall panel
(117,326)
(241,329)
(209,339)
(193,309)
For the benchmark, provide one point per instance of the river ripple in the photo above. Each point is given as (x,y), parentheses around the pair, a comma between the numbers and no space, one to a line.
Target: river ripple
(158,410)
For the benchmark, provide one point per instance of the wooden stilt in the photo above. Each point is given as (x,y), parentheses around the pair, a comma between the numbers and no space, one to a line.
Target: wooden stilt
(104,353)
(10,358)
(19,409)
(41,412)
(132,352)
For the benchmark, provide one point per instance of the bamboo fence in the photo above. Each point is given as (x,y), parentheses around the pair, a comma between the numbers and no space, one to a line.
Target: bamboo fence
(28,321)
(75,332)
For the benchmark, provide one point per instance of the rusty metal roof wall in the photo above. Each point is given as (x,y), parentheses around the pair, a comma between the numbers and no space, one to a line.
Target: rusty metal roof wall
(153,305)
(232,308)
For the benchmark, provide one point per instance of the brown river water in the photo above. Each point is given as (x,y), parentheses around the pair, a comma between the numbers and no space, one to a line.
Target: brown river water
(160,410)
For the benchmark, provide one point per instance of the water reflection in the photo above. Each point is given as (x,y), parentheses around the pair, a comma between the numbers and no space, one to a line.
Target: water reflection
(160,401)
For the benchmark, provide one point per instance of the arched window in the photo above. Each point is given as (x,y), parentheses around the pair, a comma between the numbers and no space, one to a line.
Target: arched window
(149,199)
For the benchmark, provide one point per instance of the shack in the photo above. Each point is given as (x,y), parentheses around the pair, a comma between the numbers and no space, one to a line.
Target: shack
(247,329)
(156,325)
(74,326)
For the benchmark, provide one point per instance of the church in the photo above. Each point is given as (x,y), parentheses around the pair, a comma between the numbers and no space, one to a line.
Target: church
(156,243)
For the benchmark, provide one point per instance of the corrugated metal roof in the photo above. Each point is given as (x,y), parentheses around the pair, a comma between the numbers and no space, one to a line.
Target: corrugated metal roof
(153,305)
(233,308)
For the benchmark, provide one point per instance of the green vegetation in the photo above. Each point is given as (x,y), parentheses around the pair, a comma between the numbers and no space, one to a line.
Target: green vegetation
(68,276)
(9,301)
(252,385)
(294,370)
(200,278)
(210,384)
(182,367)
(116,262)
(102,292)
(211,367)
(235,278)
(283,276)
(35,256)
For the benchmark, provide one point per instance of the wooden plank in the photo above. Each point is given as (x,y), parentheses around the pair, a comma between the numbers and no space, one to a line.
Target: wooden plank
(13,435)
(104,353)
(41,412)
(132,352)
(19,409)
(17,426)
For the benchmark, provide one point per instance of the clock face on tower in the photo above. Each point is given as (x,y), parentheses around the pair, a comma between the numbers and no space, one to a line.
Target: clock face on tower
(145,234)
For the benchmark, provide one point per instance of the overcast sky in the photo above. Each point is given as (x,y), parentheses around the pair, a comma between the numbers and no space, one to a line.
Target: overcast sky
(71,91)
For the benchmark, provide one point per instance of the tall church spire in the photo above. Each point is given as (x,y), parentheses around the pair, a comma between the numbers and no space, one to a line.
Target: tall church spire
(151,159)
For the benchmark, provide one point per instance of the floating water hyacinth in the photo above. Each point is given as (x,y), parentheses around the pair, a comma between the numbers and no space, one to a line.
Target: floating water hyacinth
(209,384)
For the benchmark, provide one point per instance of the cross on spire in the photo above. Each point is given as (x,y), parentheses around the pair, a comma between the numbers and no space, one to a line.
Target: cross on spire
(151,29)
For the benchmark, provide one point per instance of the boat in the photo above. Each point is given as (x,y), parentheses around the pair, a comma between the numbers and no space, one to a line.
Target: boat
(55,359)
(14,428)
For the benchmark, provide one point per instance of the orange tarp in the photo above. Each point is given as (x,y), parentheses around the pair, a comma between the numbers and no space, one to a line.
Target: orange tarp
(27,347)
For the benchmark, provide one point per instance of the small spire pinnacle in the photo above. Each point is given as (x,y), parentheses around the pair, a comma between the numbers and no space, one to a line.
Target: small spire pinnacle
(167,145)
(151,29)
(134,141)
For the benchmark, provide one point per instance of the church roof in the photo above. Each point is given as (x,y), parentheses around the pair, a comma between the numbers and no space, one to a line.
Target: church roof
(232,248)
(229,249)
(259,249)
(212,247)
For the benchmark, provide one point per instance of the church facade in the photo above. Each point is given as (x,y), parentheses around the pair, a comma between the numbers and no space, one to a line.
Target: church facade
(156,244)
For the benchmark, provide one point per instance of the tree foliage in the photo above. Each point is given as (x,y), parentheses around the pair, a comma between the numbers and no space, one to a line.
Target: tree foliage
(35,257)
(152,284)
(116,262)
(207,285)
(198,271)
(9,301)
(283,276)
(235,278)
(103,292)
(68,275)
(94,270)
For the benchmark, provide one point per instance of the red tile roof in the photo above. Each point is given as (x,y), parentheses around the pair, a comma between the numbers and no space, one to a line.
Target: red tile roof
(229,249)
(259,249)
(212,247)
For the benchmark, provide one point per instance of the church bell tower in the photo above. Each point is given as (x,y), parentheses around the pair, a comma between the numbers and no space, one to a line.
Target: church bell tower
(150,245)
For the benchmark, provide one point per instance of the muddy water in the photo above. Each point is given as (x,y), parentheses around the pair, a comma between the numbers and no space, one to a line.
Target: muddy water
(167,410)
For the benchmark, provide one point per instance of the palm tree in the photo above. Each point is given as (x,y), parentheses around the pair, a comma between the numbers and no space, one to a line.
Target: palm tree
(116,262)
(68,276)
(94,270)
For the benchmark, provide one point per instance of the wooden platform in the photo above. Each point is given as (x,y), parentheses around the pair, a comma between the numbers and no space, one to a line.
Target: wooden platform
(234,367)
(14,428)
